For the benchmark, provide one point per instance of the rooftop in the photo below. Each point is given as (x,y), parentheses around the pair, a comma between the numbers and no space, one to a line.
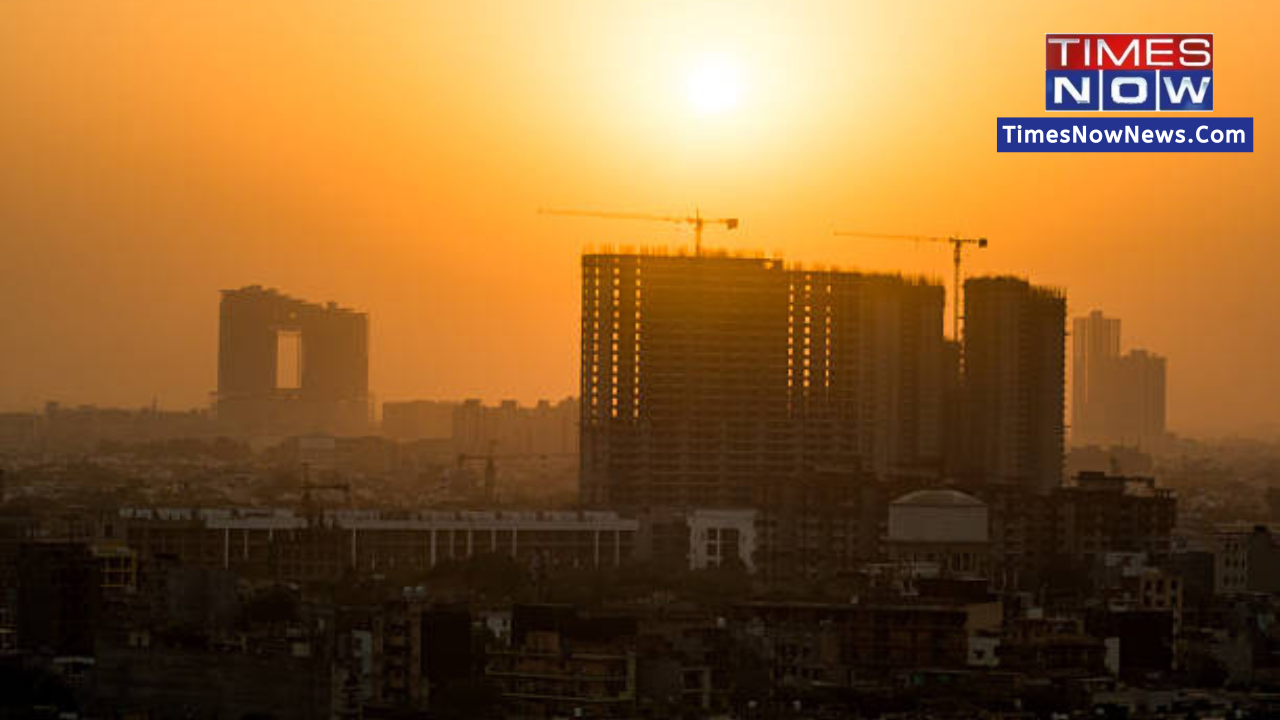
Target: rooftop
(940,497)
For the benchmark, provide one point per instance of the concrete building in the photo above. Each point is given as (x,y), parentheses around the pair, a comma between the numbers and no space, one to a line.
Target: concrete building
(697,539)
(1099,514)
(1140,407)
(395,655)
(287,367)
(88,428)
(867,372)
(278,543)
(1083,521)
(822,526)
(941,526)
(1014,338)
(1117,399)
(1157,589)
(560,663)
(1095,345)
(1247,559)
(509,429)
(418,420)
(717,537)
(705,377)
(838,644)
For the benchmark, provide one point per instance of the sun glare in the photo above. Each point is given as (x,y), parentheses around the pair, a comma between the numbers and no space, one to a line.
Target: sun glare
(714,87)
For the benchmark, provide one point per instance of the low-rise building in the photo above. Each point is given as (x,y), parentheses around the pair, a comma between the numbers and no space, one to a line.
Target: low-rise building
(940,526)
(564,664)
(279,543)
(1247,559)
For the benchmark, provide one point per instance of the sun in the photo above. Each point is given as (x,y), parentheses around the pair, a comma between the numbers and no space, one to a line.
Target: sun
(714,87)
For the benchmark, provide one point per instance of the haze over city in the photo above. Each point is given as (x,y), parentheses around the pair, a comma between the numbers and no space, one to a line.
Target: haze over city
(393,158)
(533,359)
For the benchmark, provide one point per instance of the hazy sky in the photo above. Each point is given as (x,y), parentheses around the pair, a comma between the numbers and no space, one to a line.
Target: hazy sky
(391,156)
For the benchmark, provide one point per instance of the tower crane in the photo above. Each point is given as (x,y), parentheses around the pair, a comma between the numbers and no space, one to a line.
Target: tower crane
(696,221)
(957,245)
(490,460)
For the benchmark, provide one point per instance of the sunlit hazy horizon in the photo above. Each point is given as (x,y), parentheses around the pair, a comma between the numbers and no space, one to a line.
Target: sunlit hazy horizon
(391,157)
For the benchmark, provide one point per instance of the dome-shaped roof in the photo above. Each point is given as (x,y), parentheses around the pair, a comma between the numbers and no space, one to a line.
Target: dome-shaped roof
(939,498)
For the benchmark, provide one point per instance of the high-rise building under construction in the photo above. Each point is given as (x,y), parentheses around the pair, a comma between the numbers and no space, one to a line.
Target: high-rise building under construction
(1014,375)
(287,366)
(706,377)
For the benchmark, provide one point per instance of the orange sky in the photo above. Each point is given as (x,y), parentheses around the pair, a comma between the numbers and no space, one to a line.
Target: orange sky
(391,156)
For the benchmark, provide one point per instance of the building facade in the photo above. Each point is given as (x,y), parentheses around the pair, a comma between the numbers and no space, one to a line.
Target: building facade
(560,663)
(278,543)
(288,367)
(1014,368)
(704,378)
(508,429)
(1117,399)
(942,527)
(418,420)
(1095,345)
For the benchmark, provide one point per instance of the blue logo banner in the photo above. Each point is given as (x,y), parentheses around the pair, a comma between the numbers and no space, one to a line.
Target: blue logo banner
(1127,134)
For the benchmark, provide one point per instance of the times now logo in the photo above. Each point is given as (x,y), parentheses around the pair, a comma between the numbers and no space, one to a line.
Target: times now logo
(1128,73)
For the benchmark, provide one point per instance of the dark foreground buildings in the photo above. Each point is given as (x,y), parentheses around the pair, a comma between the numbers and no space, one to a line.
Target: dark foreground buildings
(287,366)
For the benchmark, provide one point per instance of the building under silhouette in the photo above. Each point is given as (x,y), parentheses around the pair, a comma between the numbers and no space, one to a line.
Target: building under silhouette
(1014,342)
(287,366)
(418,419)
(1117,399)
(1095,344)
(508,429)
(704,378)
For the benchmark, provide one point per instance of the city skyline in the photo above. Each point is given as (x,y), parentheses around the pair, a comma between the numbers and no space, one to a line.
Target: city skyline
(291,343)
(348,161)
(651,359)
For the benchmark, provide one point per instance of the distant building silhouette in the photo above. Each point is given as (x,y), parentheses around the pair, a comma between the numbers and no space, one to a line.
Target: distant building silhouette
(88,428)
(1095,345)
(1116,399)
(1140,417)
(1014,340)
(286,366)
(705,377)
(509,429)
(418,419)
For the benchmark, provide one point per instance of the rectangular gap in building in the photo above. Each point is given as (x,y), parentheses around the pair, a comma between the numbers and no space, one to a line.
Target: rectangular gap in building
(288,359)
